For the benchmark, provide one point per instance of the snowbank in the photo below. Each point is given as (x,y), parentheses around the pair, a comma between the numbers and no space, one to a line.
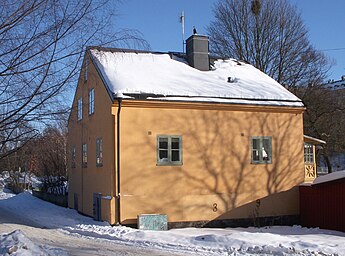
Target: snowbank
(5,193)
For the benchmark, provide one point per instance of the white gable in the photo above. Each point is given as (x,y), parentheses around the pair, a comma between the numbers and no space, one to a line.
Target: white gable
(169,79)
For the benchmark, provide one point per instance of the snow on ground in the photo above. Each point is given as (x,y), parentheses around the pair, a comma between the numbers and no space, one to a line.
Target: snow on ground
(16,243)
(5,193)
(231,241)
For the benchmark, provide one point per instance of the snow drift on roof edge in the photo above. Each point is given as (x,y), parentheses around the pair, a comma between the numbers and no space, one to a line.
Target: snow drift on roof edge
(158,74)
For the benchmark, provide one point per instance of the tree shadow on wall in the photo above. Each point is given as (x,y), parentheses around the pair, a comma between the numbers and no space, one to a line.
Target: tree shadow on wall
(217,176)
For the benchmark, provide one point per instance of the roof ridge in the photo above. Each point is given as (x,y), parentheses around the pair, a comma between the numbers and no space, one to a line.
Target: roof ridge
(124,50)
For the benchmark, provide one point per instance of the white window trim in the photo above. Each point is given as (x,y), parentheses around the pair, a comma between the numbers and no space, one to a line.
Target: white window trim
(170,162)
(261,160)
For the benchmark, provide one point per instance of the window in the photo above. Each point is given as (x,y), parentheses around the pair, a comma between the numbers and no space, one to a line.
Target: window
(84,155)
(73,158)
(91,101)
(308,153)
(99,152)
(169,150)
(86,71)
(261,150)
(80,108)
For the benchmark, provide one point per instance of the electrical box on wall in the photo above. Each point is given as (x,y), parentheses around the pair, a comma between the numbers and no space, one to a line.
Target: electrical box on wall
(153,221)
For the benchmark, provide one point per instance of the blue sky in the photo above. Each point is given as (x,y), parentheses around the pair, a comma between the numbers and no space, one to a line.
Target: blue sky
(158,21)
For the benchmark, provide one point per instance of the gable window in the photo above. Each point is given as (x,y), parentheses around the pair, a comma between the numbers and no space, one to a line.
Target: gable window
(91,101)
(261,148)
(169,150)
(80,108)
(308,153)
(86,71)
(73,157)
(84,155)
(99,152)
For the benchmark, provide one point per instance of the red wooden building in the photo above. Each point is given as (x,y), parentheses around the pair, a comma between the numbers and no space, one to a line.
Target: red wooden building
(322,203)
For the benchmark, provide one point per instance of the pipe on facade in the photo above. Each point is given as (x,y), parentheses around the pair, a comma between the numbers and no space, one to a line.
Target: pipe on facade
(119,100)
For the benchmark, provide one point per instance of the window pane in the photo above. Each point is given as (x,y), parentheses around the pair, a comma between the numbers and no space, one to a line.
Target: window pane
(175,155)
(175,143)
(256,156)
(163,155)
(163,143)
(266,150)
(84,155)
(256,143)
(91,101)
(80,109)
(308,153)
(99,152)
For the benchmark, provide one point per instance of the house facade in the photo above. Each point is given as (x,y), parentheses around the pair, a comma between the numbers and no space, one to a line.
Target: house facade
(149,134)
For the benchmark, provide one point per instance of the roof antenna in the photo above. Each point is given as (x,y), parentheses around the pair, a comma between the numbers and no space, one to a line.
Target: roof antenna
(182,24)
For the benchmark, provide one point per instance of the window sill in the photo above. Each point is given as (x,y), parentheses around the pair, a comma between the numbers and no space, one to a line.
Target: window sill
(261,162)
(169,164)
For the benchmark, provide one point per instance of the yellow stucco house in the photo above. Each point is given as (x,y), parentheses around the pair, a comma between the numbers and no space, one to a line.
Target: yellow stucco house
(204,141)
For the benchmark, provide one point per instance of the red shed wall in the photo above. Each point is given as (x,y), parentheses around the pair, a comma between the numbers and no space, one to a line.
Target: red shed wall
(323,205)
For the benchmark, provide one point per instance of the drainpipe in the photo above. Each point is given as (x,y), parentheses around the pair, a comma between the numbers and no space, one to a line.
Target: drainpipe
(119,100)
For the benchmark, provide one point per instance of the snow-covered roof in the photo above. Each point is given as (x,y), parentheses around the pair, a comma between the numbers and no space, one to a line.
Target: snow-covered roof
(314,140)
(161,77)
(329,177)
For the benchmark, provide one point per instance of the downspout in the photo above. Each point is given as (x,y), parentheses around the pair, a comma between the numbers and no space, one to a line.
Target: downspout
(119,100)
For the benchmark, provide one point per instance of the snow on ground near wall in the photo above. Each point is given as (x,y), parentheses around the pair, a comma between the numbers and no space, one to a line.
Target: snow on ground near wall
(158,74)
(232,241)
(16,243)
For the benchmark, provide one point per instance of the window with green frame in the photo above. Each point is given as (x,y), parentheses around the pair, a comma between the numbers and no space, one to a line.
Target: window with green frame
(261,148)
(169,150)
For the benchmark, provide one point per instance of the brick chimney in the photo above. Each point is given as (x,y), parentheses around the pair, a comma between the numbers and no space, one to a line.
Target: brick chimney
(197,52)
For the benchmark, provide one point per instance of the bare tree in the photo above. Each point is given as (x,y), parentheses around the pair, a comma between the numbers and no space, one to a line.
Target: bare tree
(269,34)
(41,47)
(324,118)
